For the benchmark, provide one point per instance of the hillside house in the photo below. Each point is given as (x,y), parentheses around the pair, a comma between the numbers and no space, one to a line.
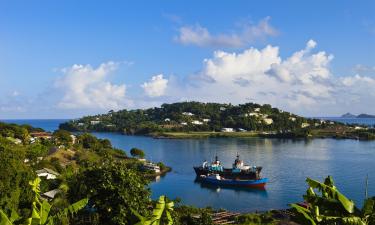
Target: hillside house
(227,129)
(151,167)
(303,125)
(94,122)
(206,120)
(268,121)
(41,135)
(197,122)
(47,173)
(50,195)
(187,114)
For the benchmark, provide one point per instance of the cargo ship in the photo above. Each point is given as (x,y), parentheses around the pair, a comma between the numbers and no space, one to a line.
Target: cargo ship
(239,175)
(238,171)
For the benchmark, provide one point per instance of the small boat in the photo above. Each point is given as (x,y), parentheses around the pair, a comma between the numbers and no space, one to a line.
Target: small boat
(219,180)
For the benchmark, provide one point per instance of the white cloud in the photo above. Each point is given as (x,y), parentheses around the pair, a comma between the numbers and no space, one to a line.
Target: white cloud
(85,87)
(156,86)
(247,34)
(301,83)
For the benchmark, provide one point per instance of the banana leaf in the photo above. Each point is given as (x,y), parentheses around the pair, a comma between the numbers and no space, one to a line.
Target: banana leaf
(4,220)
(331,192)
(308,219)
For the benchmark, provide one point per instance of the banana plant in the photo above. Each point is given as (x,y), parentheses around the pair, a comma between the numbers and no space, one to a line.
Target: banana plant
(41,208)
(162,208)
(332,207)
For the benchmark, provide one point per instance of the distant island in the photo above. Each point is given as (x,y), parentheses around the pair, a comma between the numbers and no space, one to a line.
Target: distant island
(363,115)
(201,120)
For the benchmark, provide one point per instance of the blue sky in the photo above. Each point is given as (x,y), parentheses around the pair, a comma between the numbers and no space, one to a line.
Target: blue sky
(70,58)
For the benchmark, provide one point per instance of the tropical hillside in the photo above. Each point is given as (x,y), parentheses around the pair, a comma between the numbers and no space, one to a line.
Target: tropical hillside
(196,119)
(61,169)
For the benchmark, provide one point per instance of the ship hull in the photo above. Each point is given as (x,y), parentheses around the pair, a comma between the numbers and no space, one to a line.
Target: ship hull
(229,174)
(259,183)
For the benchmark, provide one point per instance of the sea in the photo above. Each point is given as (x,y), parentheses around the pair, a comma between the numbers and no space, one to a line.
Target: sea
(287,164)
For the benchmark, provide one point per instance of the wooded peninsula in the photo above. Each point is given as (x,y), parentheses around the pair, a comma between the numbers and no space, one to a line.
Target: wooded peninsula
(200,120)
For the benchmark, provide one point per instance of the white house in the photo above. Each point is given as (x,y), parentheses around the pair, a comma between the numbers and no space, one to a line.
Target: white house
(268,121)
(49,195)
(206,120)
(151,166)
(197,122)
(94,122)
(222,108)
(187,114)
(292,119)
(81,124)
(48,173)
(241,130)
(227,129)
(257,110)
(303,125)
(183,123)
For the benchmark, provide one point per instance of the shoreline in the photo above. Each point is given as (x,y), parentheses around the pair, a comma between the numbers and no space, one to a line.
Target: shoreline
(314,134)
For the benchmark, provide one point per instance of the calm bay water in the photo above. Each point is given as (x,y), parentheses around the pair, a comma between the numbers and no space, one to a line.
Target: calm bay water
(286,163)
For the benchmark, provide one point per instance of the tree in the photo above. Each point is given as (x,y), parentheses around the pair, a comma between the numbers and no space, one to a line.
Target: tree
(14,177)
(136,152)
(63,137)
(332,207)
(113,191)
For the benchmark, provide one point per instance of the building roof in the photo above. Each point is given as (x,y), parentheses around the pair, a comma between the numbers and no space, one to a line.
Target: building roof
(51,194)
(46,170)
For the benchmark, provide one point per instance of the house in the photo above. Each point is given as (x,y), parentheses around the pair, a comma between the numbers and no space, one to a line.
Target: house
(303,125)
(222,108)
(206,120)
(241,130)
(257,110)
(187,114)
(74,138)
(151,167)
(50,195)
(42,135)
(197,122)
(48,173)
(268,121)
(183,123)
(94,122)
(167,120)
(15,140)
(292,119)
(80,124)
(227,129)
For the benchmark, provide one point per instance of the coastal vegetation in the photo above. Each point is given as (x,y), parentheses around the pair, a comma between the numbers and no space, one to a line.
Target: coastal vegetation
(201,120)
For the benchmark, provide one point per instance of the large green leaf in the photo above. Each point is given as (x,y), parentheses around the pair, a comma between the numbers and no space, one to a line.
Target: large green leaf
(307,217)
(44,211)
(4,220)
(332,192)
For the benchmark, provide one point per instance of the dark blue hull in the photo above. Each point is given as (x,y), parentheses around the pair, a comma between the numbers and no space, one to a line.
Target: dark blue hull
(260,183)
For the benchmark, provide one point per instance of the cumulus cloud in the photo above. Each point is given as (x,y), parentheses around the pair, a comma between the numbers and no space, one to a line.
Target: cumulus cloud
(246,34)
(156,86)
(302,83)
(85,87)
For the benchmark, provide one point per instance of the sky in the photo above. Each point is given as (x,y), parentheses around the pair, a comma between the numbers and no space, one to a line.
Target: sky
(66,59)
